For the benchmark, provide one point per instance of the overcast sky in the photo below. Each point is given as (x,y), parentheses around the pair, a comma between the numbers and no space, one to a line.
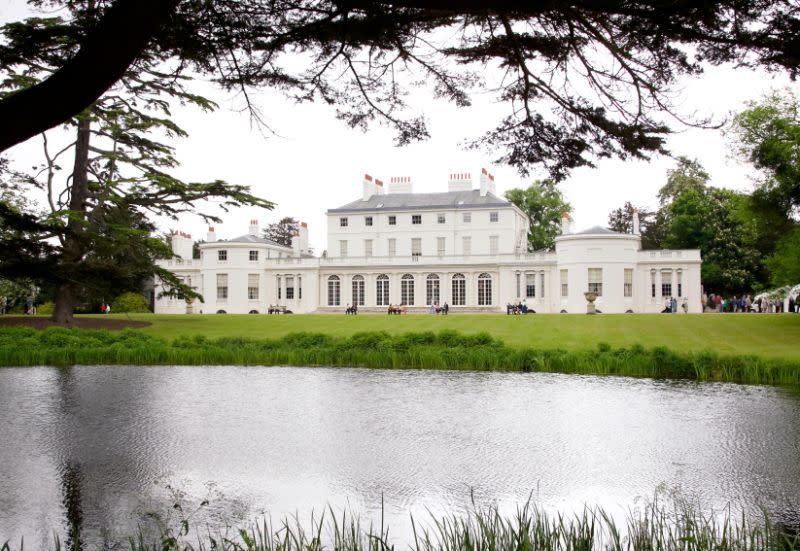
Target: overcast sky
(314,162)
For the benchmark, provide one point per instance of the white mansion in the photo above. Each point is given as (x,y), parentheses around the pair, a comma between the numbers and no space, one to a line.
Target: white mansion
(465,247)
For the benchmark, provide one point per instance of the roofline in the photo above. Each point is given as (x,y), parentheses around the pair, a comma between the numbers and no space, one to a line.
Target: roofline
(505,204)
(576,236)
(210,244)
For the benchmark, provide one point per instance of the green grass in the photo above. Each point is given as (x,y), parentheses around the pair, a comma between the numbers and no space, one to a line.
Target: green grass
(377,349)
(764,335)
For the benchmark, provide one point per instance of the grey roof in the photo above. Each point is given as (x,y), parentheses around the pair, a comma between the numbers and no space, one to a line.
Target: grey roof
(423,201)
(247,238)
(595,230)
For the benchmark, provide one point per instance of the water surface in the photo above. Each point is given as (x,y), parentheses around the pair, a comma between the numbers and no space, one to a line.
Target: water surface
(95,447)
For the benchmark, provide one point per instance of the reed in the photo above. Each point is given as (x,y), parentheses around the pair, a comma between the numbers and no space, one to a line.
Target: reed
(658,526)
(421,350)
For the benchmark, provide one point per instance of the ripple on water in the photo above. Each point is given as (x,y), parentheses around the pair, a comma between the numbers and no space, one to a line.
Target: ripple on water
(290,440)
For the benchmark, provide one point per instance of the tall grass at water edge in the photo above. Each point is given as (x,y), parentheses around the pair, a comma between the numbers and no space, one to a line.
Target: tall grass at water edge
(426,350)
(654,527)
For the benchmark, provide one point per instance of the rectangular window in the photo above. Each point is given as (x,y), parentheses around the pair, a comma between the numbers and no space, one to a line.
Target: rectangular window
(368,247)
(393,220)
(440,219)
(392,246)
(653,283)
(382,291)
(518,284)
(358,291)
(596,281)
(466,245)
(564,283)
(416,247)
(343,222)
(299,287)
(484,291)
(416,219)
(440,244)
(222,256)
(407,291)
(459,290)
(494,216)
(493,244)
(222,286)
(252,286)
(666,283)
(530,285)
(541,285)
(343,248)
(368,220)
(280,288)
(680,283)
(289,287)
(431,290)
(466,217)
(627,287)
(334,291)
(253,256)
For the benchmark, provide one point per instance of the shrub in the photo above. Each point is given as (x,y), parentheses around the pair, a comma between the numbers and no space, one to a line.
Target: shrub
(130,302)
(45,309)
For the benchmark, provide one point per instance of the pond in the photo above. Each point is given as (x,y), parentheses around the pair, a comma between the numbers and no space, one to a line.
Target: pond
(97,446)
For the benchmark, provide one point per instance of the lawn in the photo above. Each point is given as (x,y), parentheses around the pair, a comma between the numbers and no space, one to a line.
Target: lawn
(766,335)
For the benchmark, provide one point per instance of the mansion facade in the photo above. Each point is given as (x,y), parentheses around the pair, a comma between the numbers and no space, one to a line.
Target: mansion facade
(466,247)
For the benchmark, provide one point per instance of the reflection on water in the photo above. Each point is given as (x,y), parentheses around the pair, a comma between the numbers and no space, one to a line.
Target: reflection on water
(84,451)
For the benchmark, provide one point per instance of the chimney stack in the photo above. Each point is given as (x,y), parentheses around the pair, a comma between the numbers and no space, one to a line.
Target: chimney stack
(212,235)
(379,188)
(635,217)
(460,181)
(487,183)
(303,234)
(400,184)
(253,229)
(368,187)
(182,245)
(565,224)
(296,247)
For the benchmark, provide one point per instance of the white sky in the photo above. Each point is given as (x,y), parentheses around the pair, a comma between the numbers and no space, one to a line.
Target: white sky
(316,162)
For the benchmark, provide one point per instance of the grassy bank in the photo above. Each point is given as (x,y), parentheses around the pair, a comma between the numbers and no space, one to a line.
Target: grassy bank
(419,350)
(767,335)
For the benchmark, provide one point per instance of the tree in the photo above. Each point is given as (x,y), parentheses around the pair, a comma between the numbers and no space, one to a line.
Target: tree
(104,242)
(621,220)
(716,221)
(767,134)
(609,65)
(282,231)
(544,205)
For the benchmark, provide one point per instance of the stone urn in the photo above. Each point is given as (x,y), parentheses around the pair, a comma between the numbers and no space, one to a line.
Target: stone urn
(590,298)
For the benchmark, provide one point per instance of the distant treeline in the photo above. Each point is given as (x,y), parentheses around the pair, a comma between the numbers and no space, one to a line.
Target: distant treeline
(57,346)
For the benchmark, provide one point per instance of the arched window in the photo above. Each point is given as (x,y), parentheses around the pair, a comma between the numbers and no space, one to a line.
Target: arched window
(432,289)
(334,291)
(484,290)
(459,290)
(407,290)
(358,290)
(382,290)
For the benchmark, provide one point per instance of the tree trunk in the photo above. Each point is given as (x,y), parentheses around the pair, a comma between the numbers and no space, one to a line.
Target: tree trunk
(65,305)
(74,246)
